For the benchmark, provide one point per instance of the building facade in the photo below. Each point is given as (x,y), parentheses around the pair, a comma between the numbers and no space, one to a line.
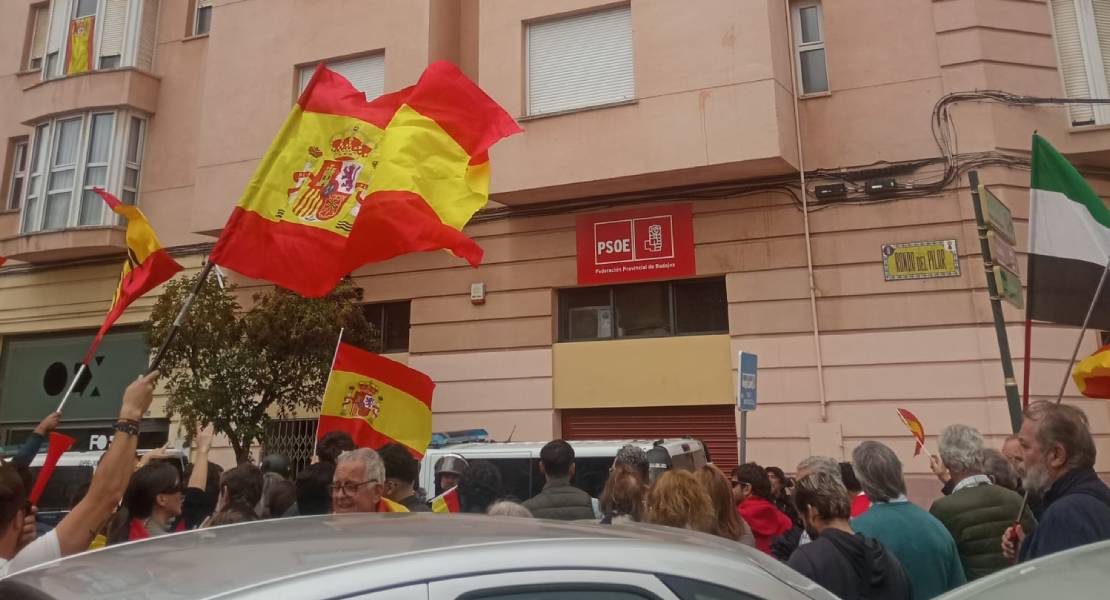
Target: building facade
(689,184)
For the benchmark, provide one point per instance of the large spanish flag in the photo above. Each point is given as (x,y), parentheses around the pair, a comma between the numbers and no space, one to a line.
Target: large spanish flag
(79,50)
(347,182)
(147,266)
(377,401)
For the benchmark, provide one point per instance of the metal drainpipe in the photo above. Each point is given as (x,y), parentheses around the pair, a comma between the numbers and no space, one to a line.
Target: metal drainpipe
(805,220)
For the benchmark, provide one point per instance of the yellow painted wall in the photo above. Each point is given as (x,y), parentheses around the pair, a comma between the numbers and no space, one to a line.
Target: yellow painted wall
(644,372)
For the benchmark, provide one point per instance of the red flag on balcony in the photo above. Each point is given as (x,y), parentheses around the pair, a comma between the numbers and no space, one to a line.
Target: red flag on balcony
(147,266)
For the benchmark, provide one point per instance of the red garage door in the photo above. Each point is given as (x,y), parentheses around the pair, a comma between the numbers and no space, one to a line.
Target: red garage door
(714,425)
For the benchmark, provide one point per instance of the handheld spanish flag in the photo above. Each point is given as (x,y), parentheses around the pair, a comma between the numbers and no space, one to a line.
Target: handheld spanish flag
(79,50)
(447,502)
(377,401)
(347,182)
(147,266)
(59,444)
(916,428)
(1092,374)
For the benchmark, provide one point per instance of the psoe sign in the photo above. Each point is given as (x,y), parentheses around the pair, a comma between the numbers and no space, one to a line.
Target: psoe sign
(656,242)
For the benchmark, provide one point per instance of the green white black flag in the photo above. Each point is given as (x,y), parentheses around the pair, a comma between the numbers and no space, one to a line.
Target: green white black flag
(1069,242)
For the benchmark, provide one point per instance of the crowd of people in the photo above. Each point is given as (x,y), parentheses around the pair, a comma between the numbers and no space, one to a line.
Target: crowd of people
(848,526)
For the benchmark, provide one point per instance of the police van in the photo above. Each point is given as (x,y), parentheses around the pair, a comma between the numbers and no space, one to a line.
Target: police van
(519,462)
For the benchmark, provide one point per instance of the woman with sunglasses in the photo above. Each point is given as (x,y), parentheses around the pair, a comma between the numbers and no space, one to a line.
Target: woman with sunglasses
(151,506)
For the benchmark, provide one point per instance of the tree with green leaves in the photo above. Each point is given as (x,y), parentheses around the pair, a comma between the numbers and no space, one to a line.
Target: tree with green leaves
(232,368)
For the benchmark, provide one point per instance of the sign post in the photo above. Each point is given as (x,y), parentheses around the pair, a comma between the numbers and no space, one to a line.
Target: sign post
(991,215)
(745,396)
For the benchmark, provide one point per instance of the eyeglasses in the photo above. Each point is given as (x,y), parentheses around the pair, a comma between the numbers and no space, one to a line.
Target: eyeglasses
(349,489)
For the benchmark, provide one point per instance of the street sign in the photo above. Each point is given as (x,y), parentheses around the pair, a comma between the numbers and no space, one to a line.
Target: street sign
(997,215)
(746,381)
(1003,254)
(921,260)
(1009,287)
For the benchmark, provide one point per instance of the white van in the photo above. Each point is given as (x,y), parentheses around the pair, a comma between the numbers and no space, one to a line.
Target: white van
(519,461)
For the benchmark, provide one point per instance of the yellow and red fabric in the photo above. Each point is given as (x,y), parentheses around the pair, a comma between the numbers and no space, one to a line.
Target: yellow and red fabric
(387,505)
(348,182)
(916,428)
(447,502)
(377,401)
(147,266)
(79,51)
(1092,374)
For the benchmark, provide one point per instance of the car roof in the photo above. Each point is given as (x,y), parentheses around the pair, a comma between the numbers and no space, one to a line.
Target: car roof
(1076,573)
(583,448)
(90,458)
(250,557)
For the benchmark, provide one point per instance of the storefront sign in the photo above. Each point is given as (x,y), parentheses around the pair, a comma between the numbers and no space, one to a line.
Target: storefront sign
(656,242)
(36,370)
(921,260)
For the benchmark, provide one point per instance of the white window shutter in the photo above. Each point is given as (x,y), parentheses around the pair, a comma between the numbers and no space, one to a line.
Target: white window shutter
(579,61)
(147,33)
(42,24)
(1101,10)
(366,73)
(113,28)
(1073,65)
(59,25)
(203,4)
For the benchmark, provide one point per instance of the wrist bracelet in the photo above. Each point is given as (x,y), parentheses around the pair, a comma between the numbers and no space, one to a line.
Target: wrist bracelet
(127,426)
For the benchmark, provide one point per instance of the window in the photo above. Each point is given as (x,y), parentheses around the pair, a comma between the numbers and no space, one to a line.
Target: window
(575,591)
(1083,42)
(70,156)
(40,21)
(202,20)
(111,33)
(17,172)
(657,309)
(580,61)
(392,322)
(809,45)
(689,589)
(366,73)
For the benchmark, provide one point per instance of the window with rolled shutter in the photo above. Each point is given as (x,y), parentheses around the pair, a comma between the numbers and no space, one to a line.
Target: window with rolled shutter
(56,38)
(147,32)
(1083,43)
(580,61)
(366,73)
(39,29)
(113,31)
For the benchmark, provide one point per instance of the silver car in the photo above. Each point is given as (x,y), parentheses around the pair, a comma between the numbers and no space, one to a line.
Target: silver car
(420,557)
(1077,573)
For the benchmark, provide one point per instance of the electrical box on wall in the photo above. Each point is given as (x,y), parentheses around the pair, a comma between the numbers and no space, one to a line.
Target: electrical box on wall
(478,293)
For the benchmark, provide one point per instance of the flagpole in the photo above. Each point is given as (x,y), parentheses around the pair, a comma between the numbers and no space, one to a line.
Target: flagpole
(338,343)
(76,377)
(181,314)
(1083,331)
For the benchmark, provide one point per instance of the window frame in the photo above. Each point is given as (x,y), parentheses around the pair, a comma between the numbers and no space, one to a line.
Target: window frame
(383,325)
(33,218)
(563,323)
(42,10)
(302,73)
(1092,61)
(18,152)
(194,27)
(801,46)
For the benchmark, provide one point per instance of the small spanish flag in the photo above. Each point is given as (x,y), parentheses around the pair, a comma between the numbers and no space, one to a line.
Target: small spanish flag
(916,428)
(79,54)
(147,266)
(377,401)
(1092,374)
(447,502)
(348,182)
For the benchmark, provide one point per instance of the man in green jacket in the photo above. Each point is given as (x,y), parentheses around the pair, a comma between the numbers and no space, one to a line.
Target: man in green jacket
(559,499)
(977,512)
(917,539)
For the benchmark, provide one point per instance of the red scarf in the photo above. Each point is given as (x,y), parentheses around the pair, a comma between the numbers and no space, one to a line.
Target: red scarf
(138,530)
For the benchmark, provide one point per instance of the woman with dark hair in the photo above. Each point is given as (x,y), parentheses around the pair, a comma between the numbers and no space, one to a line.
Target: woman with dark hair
(622,500)
(751,485)
(780,496)
(860,501)
(151,505)
(729,523)
(479,487)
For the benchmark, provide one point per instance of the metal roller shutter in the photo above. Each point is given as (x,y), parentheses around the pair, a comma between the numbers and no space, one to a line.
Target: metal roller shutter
(147,35)
(1073,66)
(715,425)
(366,73)
(114,26)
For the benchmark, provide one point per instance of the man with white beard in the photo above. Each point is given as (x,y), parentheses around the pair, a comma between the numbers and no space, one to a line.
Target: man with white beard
(1059,458)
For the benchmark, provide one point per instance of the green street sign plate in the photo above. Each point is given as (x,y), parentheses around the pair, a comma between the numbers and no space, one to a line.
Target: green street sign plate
(997,215)
(1009,287)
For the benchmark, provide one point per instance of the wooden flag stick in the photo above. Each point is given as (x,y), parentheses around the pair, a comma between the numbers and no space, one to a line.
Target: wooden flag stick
(180,319)
(333,357)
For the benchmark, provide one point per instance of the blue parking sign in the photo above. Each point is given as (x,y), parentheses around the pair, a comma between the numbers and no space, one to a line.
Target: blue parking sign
(749,365)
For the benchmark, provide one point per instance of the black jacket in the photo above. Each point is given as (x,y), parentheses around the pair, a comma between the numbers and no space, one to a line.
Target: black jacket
(1076,512)
(852,566)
